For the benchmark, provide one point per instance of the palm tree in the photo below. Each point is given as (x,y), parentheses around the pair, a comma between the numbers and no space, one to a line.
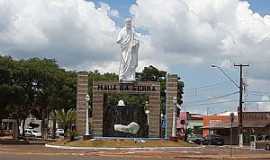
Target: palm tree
(66,118)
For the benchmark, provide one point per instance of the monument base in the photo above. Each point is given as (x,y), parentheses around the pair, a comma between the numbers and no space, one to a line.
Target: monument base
(87,137)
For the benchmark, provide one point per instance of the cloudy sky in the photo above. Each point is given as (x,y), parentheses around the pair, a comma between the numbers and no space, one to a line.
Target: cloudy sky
(181,36)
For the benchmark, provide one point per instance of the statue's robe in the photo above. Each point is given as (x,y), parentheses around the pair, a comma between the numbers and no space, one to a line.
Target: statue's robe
(129,55)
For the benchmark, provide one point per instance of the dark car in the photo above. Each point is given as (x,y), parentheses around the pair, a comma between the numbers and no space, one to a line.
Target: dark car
(194,138)
(213,140)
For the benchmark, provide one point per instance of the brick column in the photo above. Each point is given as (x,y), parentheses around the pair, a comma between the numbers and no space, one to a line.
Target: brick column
(97,114)
(82,90)
(171,91)
(154,115)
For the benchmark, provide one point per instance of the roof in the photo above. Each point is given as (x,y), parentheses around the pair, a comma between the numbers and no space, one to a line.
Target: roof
(227,114)
(247,124)
(195,117)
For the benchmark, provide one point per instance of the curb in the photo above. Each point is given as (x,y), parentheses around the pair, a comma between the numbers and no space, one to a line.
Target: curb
(119,149)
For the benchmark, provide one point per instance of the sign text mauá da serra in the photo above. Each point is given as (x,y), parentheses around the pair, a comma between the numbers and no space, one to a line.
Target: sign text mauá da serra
(126,87)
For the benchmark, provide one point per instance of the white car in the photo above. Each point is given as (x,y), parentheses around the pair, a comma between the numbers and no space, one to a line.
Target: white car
(36,133)
(60,132)
(32,132)
(28,132)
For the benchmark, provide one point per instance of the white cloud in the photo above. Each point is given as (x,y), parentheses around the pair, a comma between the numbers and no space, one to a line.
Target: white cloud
(258,93)
(226,64)
(192,32)
(199,33)
(81,35)
(260,85)
(264,106)
(107,9)
(75,32)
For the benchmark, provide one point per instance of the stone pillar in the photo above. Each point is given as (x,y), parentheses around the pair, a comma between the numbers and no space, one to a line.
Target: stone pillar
(154,115)
(97,114)
(171,91)
(82,90)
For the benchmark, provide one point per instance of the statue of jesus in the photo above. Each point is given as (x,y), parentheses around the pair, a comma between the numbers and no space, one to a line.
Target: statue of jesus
(129,52)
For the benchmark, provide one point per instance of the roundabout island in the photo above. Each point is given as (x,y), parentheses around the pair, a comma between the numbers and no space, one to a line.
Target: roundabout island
(114,144)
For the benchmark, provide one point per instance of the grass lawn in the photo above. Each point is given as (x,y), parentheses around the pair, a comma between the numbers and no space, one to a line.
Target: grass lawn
(122,143)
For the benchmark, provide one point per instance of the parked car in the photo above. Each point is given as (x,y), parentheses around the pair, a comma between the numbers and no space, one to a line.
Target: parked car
(59,132)
(36,133)
(31,132)
(28,132)
(213,140)
(195,138)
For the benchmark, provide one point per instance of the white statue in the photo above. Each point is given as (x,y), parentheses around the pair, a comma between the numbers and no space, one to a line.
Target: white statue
(129,52)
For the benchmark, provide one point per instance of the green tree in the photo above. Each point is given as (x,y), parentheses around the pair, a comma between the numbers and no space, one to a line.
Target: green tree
(15,106)
(13,95)
(48,86)
(96,76)
(4,96)
(66,118)
(6,66)
(45,87)
(63,94)
(151,73)
(180,92)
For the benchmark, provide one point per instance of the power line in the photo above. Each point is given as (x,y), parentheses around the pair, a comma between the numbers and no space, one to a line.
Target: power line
(256,94)
(226,75)
(202,104)
(213,98)
(207,86)
(198,91)
(262,92)
(254,101)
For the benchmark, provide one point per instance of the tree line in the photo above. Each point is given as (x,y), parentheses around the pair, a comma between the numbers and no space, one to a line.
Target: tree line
(34,86)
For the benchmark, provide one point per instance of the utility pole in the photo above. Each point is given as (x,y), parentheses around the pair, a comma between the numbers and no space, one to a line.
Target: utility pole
(240,110)
(207,112)
(232,119)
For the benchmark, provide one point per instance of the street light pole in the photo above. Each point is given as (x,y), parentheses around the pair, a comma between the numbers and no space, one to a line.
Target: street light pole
(174,117)
(225,74)
(87,98)
(147,111)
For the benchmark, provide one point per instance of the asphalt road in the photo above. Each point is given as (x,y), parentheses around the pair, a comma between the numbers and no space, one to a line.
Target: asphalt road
(38,152)
(36,157)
